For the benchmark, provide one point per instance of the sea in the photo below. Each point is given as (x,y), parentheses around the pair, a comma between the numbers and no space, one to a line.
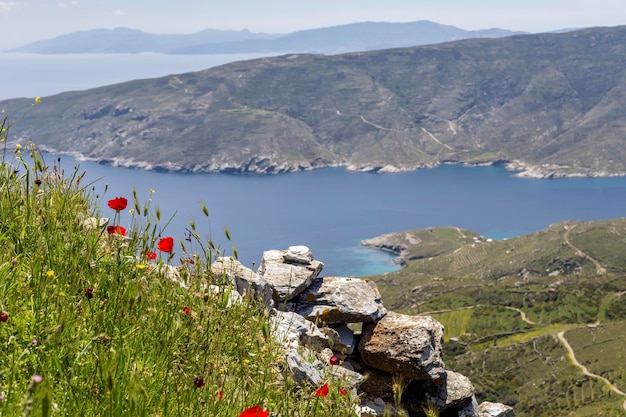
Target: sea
(329,210)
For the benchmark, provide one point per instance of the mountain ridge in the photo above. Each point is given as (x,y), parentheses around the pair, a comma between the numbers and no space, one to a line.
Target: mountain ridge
(550,104)
(361,36)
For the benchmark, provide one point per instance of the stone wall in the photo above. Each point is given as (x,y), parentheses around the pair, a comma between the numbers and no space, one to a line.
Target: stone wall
(315,318)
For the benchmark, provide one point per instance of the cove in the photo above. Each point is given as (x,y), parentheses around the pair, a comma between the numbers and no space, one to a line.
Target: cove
(331,210)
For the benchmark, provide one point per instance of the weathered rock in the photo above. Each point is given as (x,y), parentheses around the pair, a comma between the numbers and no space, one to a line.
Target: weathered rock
(373,408)
(292,330)
(489,409)
(299,255)
(341,300)
(345,342)
(302,370)
(469,410)
(452,390)
(245,280)
(288,279)
(410,346)
(378,384)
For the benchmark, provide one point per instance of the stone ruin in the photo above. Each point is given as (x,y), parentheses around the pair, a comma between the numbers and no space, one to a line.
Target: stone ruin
(314,319)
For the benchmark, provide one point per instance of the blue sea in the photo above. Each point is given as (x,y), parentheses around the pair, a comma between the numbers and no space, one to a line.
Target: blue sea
(330,210)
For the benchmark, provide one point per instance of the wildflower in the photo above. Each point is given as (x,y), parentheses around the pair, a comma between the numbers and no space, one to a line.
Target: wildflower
(141,266)
(198,382)
(118,203)
(37,181)
(35,341)
(89,293)
(187,310)
(256,411)
(166,244)
(36,379)
(4,316)
(37,100)
(151,255)
(116,230)
(18,148)
(342,391)
(333,360)
(219,395)
(14,261)
(322,392)
(50,273)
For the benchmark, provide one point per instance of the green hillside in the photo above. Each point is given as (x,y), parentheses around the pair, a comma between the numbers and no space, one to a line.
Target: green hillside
(504,303)
(551,103)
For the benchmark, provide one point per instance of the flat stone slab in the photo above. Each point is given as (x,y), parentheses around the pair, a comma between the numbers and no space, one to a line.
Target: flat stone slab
(341,300)
(287,278)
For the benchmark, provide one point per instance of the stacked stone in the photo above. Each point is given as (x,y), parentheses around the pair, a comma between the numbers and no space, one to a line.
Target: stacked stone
(313,318)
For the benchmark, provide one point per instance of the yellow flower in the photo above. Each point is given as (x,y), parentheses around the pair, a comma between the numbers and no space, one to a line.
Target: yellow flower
(141,266)
(131,211)
(37,100)
(50,273)
(18,148)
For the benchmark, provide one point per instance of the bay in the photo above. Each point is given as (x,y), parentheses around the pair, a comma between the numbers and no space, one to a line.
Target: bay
(331,210)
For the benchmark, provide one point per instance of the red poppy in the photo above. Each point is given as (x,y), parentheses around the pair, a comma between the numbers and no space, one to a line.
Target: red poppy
(116,230)
(342,391)
(256,411)
(166,244)
(4,316)
(219,395)
(151,255)
(322,392)
(333,360)
(89,293)
(186,310)
(118,203)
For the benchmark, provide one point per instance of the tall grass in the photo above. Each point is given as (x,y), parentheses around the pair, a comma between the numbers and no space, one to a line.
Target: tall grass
(93,325)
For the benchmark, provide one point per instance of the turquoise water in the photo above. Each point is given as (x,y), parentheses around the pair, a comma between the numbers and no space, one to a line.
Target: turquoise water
(332,210)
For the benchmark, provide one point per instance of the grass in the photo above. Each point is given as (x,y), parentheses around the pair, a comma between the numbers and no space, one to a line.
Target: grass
(91,325)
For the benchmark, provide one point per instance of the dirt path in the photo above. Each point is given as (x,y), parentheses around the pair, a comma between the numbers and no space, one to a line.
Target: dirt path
(521,312)
(572,357)
(599,269)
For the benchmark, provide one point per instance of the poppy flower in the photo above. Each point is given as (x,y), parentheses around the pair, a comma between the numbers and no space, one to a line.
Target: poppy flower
(116,230)
(198,382)
(256,411)
(186,310)
(322,392)
(4,316)
(219,395)
(342,391)
(334,360)
(166,244)
(118,203)
(89,293)
(151,255)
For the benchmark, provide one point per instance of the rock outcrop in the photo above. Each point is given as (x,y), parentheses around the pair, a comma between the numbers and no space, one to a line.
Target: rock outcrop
(311,317)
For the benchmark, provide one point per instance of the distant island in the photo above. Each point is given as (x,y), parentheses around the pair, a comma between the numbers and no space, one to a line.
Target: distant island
(363,36)
(548,105)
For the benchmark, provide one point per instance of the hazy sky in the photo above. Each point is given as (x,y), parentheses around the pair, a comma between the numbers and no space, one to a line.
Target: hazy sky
(24,21)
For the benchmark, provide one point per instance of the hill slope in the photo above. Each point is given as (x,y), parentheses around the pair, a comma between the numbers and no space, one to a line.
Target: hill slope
(512,307)
(552,101)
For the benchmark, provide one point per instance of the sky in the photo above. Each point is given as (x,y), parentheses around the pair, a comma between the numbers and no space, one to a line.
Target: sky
(25,21)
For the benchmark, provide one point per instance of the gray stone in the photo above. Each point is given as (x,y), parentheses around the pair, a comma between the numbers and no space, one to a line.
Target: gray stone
(341,300)
(288,279)
(489,409)
(292,330)
(245,280)
(452,390)
(299,255)
(410,346)
(374,408)
(303,370)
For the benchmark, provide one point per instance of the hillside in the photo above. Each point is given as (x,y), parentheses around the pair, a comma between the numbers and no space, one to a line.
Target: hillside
(511,307)
(549,103)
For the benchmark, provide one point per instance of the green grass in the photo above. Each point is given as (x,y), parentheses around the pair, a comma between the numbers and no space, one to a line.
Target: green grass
(91,326)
